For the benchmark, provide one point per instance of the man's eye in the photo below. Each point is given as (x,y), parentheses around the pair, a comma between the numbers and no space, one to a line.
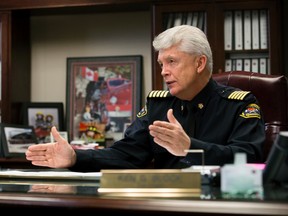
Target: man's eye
(171,61)
(161,65)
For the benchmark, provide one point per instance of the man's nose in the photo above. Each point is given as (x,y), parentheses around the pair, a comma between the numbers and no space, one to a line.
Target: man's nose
(164,71)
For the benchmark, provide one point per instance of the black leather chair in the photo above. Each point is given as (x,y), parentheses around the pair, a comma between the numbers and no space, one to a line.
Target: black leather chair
(272,93)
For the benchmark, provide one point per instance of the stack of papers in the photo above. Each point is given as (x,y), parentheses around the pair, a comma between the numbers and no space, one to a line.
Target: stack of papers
(50,175)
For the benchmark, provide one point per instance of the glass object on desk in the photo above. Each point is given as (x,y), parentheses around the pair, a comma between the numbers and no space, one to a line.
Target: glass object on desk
(241,181)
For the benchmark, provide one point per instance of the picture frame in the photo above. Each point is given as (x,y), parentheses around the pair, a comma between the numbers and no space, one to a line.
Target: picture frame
(63,134)
(15,139)
(126,125)
(42,116)
(103,93)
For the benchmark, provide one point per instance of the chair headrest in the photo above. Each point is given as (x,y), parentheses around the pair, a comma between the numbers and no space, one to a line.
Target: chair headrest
(270,90)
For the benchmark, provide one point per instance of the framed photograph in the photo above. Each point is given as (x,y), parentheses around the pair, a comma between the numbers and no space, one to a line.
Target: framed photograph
(42,116)
(63,134)
(126,125)
(103,93)
(15,139)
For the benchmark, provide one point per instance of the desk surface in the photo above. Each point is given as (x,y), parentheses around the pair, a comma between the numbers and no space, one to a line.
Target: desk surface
(82,196)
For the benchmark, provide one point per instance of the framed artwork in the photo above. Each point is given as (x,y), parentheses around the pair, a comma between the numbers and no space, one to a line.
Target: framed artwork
(103,93)
(15,139)
(42,116)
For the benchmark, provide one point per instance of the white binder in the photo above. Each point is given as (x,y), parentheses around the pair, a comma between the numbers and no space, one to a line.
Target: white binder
(238,29)
(255,65)
(239,64)
(178,19)
(247,30)
(255,30)
(228,30)
(189,18)
(263,66)
(247,64)
(263,29)
(228,65)
(195,19)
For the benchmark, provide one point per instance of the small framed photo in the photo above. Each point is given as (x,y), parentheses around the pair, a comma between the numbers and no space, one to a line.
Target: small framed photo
(42,116)
(63,134)
(15,139)
(126,125)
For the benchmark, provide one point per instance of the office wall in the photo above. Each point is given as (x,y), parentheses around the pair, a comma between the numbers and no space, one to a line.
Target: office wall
(56,37)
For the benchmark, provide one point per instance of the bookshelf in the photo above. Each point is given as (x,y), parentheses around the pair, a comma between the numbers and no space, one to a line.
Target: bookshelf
(247,31)
(244,35)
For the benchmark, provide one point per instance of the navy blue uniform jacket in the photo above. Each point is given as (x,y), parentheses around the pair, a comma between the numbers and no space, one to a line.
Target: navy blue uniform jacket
(220,120)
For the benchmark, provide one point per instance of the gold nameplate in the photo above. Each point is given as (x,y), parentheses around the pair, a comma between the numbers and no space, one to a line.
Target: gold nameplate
(150,178)
(150,183)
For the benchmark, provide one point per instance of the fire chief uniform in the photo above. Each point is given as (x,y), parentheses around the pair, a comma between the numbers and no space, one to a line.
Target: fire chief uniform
(220,120)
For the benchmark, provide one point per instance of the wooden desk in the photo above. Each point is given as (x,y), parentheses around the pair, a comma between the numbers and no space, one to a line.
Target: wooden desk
(19,197)
(16,163)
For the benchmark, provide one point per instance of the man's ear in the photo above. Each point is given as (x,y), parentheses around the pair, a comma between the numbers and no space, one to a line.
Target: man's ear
(201,63)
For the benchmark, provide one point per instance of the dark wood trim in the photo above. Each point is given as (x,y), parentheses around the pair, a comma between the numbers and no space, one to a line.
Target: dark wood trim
(34,4)
(139,206)
(5,18)
(16,163)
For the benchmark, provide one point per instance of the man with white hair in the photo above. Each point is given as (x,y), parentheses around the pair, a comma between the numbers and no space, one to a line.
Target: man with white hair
(195,113)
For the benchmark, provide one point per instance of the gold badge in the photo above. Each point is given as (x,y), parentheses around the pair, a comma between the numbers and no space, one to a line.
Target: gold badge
(251,111)
(142,112)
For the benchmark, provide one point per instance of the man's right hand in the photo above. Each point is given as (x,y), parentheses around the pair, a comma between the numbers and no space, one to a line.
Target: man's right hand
(59,154)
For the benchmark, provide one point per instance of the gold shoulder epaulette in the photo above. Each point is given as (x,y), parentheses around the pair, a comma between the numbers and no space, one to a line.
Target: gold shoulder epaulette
(158,94)
(238,95)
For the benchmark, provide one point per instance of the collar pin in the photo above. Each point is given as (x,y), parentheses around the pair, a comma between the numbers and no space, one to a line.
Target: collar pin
(200,105)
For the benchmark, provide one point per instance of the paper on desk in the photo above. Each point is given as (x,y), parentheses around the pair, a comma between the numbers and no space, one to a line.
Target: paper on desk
(65,175)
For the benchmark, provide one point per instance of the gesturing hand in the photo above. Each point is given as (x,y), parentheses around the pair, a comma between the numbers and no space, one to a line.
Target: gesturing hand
(59,154)
(170,135)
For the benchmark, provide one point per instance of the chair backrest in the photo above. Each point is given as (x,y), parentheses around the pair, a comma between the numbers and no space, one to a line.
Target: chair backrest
(272,94)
